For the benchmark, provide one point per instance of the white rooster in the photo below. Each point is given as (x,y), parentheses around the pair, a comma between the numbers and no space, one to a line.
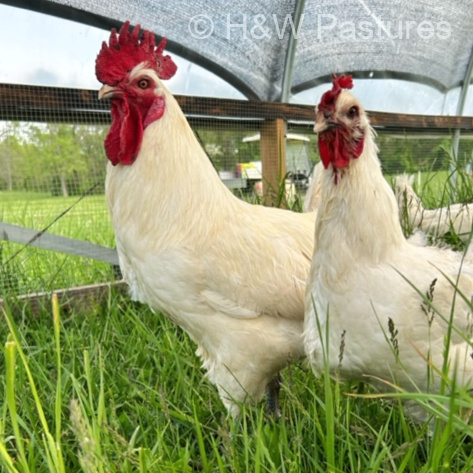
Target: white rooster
(377,307)
(231,274)
(436,222)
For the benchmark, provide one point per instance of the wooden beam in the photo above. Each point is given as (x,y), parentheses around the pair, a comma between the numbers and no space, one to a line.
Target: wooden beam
(404,120)
(83,300)
(54,104)
(273,158)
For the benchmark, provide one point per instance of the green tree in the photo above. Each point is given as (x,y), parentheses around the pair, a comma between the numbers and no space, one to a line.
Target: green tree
(90,140)
(54,146)
(11,156)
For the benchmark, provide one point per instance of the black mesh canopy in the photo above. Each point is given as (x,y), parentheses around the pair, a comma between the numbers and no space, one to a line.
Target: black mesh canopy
(271,50)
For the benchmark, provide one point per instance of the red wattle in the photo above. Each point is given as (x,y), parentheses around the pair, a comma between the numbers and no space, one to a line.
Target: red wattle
(325,149)
(335,147)
(123,141)
(155,111)
(124,138)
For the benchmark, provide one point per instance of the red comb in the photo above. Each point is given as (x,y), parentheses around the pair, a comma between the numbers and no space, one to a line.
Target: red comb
(126,50)
(328,99)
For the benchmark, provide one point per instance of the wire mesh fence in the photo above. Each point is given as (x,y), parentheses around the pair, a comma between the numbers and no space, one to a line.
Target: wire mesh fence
(53,165)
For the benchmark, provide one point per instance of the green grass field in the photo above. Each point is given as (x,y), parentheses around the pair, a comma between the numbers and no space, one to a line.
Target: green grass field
(119,389)
(35,269)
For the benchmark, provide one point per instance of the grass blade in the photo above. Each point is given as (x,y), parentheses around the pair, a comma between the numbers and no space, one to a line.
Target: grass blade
(10,359)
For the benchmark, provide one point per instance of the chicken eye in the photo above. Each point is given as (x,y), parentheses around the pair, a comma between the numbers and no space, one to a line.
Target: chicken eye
(143,83)
(353,112)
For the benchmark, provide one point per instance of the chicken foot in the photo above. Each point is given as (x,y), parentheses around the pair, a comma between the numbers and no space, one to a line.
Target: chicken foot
(273,405)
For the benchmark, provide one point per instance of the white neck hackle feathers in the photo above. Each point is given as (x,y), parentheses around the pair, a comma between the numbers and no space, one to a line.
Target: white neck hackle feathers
(374,234)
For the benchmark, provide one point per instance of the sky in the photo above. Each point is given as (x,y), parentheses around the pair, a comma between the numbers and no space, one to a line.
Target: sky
(38,49)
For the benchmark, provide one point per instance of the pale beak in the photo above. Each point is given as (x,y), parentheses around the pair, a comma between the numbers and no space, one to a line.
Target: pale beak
(107,92)
(325,125)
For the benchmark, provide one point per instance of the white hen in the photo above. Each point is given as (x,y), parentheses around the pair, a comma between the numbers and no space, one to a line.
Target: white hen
(436,222)
(377,306)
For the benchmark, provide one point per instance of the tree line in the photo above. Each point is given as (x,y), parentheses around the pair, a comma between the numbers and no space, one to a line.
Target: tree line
(64,159)
(60,159)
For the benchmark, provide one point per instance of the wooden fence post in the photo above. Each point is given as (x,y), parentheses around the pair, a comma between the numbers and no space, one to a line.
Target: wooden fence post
(273,157)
